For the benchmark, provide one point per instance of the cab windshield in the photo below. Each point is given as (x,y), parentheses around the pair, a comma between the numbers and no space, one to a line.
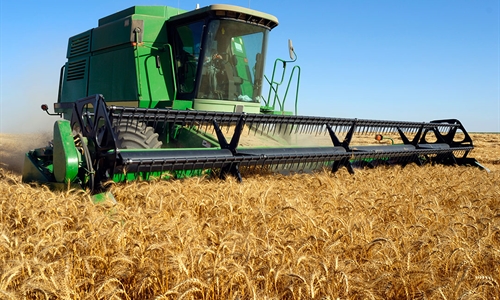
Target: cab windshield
(233,61)
(222,60)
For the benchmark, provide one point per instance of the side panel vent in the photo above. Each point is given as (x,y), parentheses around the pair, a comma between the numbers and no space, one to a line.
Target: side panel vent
(79,44)
(76,70)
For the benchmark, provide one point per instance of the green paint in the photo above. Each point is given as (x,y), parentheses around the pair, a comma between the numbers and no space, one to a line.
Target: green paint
(33,170)
(160,57)
(192,138)
(182,104)
(40,165)
(166,175)
(104,198)
(68,158)
(126,58)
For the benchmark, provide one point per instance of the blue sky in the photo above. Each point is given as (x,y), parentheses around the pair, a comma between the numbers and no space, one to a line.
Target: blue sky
(385,59)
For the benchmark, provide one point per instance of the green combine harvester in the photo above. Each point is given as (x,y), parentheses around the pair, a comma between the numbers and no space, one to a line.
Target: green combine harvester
(154,91)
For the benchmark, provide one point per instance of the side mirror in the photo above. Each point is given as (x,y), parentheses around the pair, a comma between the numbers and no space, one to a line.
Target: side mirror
(45,108)
(290,50)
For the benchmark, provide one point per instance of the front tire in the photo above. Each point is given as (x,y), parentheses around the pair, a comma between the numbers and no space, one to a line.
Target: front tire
(136,135)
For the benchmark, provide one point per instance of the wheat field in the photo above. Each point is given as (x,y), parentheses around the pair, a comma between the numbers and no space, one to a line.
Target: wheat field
(429,232)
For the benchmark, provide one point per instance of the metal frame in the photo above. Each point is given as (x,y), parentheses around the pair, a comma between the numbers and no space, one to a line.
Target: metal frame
(94,120)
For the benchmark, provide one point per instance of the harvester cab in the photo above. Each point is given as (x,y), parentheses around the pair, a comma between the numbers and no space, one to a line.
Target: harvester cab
(159,57)
(158,92)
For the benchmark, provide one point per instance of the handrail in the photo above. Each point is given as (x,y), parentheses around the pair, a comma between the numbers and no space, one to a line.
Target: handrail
(274,86)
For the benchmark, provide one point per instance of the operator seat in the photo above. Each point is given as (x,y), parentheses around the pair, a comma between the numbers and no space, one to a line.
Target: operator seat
(234,81)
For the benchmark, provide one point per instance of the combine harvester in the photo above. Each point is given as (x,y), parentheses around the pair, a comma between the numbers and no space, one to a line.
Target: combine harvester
(184,97)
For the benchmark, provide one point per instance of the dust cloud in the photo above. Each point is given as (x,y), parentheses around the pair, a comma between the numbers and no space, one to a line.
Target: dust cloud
(14,146)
